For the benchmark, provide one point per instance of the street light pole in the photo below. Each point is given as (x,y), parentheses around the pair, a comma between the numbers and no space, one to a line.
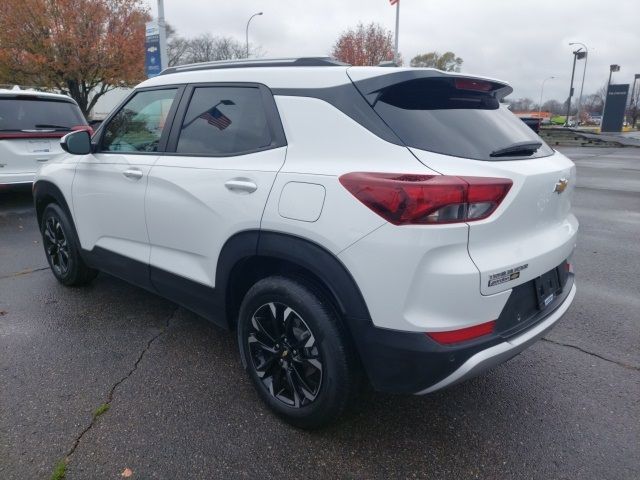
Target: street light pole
(584,73)
(162,35)
(247,30)
(612,68)
(573,72)
(540,104)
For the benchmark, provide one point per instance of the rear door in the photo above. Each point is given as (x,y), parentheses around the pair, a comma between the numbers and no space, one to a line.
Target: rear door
(110,185)
(30,130)
(456,126)
(225,149)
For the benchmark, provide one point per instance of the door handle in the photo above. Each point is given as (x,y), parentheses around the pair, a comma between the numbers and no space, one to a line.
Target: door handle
(133,173)
(241,185)
(41,159)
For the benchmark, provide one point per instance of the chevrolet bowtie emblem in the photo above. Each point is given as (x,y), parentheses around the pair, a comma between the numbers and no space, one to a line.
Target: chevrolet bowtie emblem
(561,186)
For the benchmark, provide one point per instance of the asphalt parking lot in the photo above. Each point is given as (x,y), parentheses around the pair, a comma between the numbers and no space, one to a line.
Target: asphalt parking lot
(180,405)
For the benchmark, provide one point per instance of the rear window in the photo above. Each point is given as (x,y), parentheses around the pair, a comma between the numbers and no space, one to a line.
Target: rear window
(30,113)
(459,119)
(224,121)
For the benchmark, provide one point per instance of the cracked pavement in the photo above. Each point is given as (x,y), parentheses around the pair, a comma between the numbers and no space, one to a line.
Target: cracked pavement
(181,406)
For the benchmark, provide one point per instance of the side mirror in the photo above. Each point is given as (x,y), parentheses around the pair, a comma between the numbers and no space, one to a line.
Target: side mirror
(77,143)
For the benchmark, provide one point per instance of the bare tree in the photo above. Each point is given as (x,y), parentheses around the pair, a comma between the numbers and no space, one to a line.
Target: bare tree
(205,48)
(521,104)
(447,61)
(552,106)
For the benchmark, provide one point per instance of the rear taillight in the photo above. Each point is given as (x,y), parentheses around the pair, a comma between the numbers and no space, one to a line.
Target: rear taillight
(407,199)
(451,337)
(83,127)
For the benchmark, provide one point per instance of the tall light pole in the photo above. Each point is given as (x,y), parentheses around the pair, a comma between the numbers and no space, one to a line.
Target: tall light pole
(612,68)
(540,104)
(576,55)
(584,73)
(162,27)
(247,30)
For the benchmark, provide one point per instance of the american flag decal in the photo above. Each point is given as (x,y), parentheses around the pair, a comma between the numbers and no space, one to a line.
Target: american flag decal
(215,117)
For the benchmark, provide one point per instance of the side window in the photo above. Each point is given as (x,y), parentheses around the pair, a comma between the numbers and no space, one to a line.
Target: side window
(138,125)
(224,121)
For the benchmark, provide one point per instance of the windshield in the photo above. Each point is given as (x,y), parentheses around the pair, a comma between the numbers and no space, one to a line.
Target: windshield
(434,114)
(29,113)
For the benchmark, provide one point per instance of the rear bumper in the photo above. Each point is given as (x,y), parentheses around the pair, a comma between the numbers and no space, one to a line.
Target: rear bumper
(410,362)
(502,352)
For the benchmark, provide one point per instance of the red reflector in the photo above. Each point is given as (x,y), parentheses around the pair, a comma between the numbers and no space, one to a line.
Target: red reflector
(470,84)
(464,334)
(405,199)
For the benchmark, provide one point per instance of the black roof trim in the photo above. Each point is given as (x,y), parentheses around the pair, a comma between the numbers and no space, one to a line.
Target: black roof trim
(246,63)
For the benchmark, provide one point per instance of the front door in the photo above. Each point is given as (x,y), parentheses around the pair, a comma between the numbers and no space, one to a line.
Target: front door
(110,185)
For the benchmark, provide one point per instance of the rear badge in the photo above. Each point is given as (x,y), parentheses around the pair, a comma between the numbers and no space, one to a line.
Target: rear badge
(506,276)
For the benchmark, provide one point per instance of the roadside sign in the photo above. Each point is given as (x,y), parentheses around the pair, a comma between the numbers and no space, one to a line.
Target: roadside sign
(152,63)
(614,108)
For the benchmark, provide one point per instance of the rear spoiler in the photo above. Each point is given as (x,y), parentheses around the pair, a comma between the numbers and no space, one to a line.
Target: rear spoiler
(371,87)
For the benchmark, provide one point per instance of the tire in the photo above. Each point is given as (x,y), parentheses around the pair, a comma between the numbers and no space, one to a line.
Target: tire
(297,352)
(62,248)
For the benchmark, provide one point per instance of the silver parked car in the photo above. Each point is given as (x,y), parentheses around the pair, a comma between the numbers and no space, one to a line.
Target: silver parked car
(31,125)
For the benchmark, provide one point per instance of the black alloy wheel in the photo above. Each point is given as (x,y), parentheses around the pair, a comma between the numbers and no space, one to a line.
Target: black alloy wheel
(297,351)
(62,248)
(56,246)
(284,354)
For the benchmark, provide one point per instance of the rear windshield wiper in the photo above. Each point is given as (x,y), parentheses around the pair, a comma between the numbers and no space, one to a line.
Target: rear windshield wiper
(50,125)
(517,149)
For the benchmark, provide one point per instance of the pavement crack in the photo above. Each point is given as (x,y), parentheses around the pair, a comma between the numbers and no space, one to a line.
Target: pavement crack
(575,347)
(112,390)
(23,272)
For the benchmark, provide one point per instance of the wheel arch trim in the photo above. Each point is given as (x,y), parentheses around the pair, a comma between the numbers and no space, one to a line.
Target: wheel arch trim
(297,251)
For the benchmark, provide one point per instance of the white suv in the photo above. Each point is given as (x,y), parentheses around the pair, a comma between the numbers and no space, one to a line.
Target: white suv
(394,225)
(31,124)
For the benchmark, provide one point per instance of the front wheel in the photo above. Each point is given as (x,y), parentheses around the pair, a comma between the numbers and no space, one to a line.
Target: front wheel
(296,351)
(62,248)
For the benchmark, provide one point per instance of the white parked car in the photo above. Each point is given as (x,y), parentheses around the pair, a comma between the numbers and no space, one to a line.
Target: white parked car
(351,223)
(31,125)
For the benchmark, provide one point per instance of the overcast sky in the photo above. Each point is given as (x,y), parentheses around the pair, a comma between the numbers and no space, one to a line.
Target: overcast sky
(521,41)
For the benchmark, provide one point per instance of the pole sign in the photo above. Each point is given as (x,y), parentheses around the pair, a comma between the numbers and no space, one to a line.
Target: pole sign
(152,64)
(614,108)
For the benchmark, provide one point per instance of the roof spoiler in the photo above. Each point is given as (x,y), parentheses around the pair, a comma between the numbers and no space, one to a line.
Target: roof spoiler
(371,87)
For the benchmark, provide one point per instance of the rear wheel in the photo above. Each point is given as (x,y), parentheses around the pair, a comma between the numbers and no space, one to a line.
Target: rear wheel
(61,247)
(296,352)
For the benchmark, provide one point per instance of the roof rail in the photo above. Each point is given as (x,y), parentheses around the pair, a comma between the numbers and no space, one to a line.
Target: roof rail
(246,63)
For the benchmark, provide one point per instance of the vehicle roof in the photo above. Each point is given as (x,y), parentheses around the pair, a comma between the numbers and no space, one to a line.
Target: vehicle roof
(4,92)
(285,73)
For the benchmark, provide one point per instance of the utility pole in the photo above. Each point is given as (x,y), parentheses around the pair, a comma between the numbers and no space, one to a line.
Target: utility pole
(162,36)
(396,59)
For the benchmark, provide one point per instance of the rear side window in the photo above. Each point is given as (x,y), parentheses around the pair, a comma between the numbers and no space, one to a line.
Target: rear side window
(138,126)
(224,121)
(29,113)
(456,118)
